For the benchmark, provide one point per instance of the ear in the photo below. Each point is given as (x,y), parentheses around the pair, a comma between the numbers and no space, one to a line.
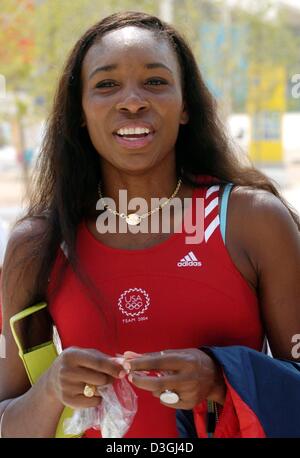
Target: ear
(184,118)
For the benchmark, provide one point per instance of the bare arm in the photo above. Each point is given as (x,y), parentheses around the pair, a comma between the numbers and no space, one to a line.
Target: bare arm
(272,242)
(268,235)
(34,411)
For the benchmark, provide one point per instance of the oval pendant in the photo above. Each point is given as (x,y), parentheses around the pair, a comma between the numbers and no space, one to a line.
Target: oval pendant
(133,219)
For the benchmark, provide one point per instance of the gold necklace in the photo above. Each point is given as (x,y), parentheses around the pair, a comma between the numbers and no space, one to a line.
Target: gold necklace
(134,219)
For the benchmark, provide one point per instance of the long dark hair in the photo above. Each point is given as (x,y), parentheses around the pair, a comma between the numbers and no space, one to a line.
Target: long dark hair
(64,184)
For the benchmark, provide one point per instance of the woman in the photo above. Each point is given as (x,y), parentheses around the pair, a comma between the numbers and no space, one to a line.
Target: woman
(149,293)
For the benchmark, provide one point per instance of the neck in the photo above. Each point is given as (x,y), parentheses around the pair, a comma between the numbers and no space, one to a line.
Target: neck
(147,185)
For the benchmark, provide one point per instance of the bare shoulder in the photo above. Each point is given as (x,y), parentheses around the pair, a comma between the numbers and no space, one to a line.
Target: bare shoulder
(262,206)
(18,283)
(261,222)
(21,230)
(19,273)
(22,236)
(271,240)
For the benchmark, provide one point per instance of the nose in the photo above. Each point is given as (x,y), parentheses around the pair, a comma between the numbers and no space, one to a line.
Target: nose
(133,103)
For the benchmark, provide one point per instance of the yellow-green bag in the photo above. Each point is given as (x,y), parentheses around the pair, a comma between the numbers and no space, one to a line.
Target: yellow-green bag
(38,359)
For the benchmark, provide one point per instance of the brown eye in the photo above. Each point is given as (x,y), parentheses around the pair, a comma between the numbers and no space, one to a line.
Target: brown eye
(157,81)
(111,84)
(105,84)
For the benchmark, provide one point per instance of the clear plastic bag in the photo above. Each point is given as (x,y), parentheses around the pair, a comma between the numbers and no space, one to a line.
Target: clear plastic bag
(114,415)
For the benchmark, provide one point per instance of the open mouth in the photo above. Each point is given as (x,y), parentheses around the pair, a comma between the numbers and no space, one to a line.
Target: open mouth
(133,136)
(134,140)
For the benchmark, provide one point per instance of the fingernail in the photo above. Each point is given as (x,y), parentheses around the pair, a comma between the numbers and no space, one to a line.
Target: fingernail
(131,354)
(126,366)
(130,377)
(122,374)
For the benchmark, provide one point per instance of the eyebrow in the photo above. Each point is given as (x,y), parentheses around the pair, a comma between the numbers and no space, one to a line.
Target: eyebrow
(108,68)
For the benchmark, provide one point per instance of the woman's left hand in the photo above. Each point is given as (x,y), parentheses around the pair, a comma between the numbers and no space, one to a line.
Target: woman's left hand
(192,374)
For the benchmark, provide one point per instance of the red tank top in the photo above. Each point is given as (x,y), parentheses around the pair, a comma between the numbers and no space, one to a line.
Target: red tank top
(171,295)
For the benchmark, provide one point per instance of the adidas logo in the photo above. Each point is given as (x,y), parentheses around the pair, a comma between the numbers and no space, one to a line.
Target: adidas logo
(189,260)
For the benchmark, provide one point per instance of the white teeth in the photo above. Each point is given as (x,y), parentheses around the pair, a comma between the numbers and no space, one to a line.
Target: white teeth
(133,130)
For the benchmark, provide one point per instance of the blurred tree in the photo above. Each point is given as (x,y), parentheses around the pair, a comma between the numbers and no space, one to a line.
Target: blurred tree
(16,41)
(57,29)
(16,65)
(36,36)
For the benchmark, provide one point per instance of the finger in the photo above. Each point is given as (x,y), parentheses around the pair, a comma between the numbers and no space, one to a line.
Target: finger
(95,401)
(149,383)
(94,359)
(185,402)
(166,361)
(75,389)
(131,355)
(180,405)
(119,359)
(82,402)
(91,377)
(72,395)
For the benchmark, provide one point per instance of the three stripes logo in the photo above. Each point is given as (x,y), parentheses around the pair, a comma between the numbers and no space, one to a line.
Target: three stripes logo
(189,260)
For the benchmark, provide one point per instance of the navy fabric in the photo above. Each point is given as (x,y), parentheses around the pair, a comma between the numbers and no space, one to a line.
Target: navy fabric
(269,386)
(185,424)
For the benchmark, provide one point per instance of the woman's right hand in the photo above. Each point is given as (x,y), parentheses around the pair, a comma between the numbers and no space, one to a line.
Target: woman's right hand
(74,368)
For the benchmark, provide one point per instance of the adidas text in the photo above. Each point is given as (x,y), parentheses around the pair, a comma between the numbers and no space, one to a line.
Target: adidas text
(189,263)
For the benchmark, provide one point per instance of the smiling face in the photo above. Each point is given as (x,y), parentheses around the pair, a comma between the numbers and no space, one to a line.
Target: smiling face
(131,81)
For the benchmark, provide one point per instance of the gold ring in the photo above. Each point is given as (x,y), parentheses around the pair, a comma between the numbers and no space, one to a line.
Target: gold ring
(89,391)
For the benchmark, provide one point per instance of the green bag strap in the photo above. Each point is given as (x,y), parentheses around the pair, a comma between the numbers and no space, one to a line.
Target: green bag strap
(38,359)
(20,316)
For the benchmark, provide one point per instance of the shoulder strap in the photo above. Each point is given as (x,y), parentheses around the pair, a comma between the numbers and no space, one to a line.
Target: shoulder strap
(20,316)
(223,209)
(38,359)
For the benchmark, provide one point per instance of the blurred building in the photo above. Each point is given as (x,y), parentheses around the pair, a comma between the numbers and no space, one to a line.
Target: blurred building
(262,113)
